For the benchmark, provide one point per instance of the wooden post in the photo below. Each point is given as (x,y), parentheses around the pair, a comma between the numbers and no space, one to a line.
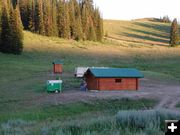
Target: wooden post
(137,83)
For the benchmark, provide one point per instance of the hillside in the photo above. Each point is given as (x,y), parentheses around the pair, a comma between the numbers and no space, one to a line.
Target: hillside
(135,44)
(138,32)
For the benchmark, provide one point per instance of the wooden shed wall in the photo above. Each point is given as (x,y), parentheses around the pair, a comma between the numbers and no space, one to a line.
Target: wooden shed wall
(92,82)
(57,68)
(111,84)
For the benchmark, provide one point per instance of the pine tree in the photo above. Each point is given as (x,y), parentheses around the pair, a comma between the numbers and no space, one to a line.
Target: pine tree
(91,32)
(88,20)
(5,30)
(54,18)
(23,4)
(100,30)
(31,16)
(78,33)
(174,34)
(16,34)
(72,18)
(60,18)
(63,20)
(0,21)
(66,22)
(85,23)
(11,34)
(39,26)
(19,21)
(98,24)
(166,19)
(47,17)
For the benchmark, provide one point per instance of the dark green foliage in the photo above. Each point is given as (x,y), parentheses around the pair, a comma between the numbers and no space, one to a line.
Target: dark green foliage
(174,34)
(78,33)
(39,18)
(84,15)
(67,19)
(75,20)
(14,3)
(54,18)
(60,22)
(5,30)
(91,35)
(165,19)
(0,20)
(63,20)
(16,32)
(66,30)
(71,19)
(47,17)
(31,16)
(11,33)
(23,4)
(92,24)
(98,23)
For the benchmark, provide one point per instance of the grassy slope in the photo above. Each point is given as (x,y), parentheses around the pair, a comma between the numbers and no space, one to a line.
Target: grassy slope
(23,77)
(146,43)
(140,32)
(131,44)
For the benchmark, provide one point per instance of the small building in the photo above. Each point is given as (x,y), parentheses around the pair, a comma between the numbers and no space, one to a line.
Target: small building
(80,71)
(57,67)
(112,78)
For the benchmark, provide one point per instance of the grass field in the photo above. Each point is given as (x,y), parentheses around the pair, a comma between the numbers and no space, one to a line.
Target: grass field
(137,44)
(139,32)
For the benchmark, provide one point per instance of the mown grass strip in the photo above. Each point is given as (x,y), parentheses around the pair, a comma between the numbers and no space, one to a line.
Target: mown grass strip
(68,110)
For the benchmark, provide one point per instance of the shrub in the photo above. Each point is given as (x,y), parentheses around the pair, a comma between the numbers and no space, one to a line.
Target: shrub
(153,120)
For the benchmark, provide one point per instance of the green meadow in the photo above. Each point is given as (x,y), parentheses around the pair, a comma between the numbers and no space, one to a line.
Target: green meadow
(140,44)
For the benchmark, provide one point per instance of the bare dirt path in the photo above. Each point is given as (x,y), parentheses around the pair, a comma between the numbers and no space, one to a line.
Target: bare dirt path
(166,92)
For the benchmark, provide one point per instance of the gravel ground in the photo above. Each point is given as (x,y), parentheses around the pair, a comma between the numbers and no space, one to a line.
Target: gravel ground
(167,92)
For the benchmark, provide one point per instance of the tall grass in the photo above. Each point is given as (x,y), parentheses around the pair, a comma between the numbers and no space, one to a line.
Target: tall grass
(61,111)
(147,122)
(152,119)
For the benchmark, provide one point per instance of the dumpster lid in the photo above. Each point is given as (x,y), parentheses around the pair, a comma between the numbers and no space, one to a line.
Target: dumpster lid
(54,81)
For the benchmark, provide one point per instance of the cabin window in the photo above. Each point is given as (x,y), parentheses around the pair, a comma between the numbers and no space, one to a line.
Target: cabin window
(118,80)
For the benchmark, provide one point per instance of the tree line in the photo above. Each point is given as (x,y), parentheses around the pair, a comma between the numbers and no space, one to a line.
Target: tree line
(165,19)
(70,19)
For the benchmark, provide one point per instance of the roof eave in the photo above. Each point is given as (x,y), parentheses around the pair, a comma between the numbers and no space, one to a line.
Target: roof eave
(117,77)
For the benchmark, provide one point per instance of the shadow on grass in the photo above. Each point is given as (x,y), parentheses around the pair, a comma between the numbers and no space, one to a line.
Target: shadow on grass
(146,38)
(141,42)
(159,27)
(159,39)
(164,35)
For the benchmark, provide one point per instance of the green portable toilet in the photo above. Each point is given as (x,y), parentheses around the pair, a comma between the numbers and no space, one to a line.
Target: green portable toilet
(54,86)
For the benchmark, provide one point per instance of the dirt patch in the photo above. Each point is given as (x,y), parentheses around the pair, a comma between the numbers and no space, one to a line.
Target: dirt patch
(167,92)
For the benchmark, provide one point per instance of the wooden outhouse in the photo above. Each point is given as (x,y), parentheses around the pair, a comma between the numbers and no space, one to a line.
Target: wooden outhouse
(112,78)
(57,67)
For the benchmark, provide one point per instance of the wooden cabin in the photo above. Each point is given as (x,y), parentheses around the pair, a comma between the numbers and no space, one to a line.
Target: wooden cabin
(57,67)
(112,78)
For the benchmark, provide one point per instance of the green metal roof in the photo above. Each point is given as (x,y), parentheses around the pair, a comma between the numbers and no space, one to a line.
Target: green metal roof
(57,62)
(115,72)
